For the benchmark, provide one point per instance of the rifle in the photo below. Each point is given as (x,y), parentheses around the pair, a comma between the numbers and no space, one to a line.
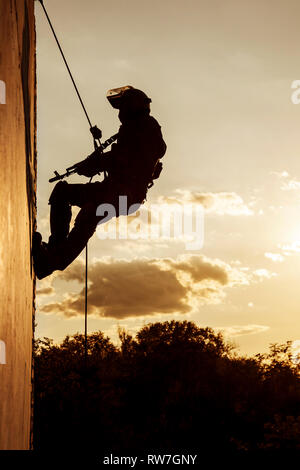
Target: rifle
(73,169)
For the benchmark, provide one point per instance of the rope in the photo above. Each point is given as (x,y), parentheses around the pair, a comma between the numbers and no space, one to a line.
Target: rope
(95,145)
(66,63)
(85,303)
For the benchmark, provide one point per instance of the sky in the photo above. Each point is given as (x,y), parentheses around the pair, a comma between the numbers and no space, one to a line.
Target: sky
(220,77)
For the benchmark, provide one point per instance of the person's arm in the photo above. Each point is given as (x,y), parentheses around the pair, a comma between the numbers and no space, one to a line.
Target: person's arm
(94,164)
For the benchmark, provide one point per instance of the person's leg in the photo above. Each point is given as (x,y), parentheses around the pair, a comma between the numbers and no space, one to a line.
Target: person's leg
(84,227)
(60,213)
(63,246)
(62,198)
(86,221)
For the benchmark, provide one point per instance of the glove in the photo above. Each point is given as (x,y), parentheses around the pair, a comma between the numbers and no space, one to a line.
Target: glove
(96,133)
(89,167)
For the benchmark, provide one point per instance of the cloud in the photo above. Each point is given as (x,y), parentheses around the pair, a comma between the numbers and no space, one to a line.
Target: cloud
(141,287)
(276,257)
(45,291)
(295,349)
(178,218)
(200,268)
(289,184)
(280,174)
(222,203)
(293,247)
(263,273)
(241,330)
(44,287)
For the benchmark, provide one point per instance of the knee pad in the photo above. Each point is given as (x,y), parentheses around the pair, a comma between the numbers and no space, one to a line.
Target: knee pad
(59,193)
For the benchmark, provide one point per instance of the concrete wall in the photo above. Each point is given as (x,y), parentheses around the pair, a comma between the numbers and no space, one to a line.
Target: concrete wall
(17,219)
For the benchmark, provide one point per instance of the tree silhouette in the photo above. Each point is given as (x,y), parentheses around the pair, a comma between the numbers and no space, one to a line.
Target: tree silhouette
(174,385)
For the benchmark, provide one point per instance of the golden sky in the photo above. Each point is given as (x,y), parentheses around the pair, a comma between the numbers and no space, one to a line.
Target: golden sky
(219,75)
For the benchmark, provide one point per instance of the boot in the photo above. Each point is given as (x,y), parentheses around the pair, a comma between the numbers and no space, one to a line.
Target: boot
(43,259)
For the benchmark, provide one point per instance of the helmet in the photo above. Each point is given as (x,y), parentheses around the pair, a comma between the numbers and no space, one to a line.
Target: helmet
(128,98)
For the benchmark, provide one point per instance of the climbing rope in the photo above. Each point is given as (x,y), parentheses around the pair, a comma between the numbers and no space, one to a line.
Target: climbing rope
(85,304)
(96,144)
(65,61)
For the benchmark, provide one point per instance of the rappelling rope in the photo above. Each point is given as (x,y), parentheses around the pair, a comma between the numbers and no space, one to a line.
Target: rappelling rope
(95,145)
(66,63)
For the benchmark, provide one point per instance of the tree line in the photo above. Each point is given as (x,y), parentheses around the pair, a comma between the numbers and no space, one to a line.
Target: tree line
(172,386)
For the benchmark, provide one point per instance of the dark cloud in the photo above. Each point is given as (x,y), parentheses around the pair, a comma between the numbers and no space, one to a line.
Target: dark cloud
(140,287)
(200,269)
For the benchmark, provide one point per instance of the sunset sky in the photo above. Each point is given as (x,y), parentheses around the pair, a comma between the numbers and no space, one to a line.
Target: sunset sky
(219,75)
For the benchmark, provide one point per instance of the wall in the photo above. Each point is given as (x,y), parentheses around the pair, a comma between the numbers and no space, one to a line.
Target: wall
(17,219)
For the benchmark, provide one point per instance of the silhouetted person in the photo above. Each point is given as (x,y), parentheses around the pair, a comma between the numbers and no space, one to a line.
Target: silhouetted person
(129,164)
